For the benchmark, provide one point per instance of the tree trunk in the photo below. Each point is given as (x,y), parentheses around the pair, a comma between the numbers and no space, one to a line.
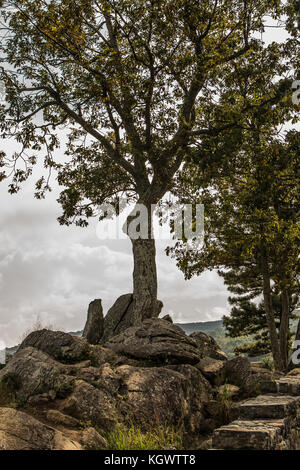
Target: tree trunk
(145,300)
(145,279)
(275,346)
(297,337)
(284,329)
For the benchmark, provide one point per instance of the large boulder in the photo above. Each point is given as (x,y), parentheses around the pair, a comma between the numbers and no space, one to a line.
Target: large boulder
(154,342)
(208,346)
(61,346)
(121,316)
(213,370)
(89,404)
(20,431)
(158,395)
(238,371)
(32,373)
(93,329)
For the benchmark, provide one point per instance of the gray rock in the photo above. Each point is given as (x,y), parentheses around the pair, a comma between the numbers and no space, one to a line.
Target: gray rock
(122,316)
(212,369)
(32,373)
(167,318)
(93,329)
(61,346)
(159,395)
(20,431)
(156,342)
(208,346)
(89,404)
(117,315)
(238,371)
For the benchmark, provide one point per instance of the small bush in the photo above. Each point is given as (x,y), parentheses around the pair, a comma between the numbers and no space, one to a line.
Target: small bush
(133,438)
(224,405)
(268,363)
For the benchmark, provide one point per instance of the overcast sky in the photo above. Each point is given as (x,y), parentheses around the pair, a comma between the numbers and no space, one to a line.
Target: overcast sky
(53,272)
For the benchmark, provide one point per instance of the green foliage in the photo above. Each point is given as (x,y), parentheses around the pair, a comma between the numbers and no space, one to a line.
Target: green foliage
(252,206)
(134,82)
(133,438)
(224,405)
(268,363)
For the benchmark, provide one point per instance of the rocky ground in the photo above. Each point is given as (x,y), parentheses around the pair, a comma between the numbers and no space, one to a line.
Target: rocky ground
(61,392)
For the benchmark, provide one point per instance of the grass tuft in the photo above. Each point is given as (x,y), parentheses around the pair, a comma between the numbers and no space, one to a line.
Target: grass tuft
(133,438)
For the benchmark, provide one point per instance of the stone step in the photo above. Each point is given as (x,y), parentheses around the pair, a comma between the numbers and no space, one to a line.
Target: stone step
(251,435)
(289,385)
(269,407)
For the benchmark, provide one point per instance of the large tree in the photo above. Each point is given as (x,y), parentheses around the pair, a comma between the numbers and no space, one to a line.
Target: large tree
(252,232)
(136,83)
(248,315)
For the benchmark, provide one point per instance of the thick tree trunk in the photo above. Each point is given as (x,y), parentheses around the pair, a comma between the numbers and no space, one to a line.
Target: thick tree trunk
(284,329)
(145,279)
(275,346)
(145,300)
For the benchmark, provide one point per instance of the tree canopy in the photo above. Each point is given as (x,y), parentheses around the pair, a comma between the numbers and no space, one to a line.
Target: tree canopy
(137,84)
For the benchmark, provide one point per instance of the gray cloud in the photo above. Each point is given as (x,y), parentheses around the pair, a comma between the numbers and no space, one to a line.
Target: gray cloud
(53,272)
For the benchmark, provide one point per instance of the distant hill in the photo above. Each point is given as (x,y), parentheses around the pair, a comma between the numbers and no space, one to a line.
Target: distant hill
(206,326)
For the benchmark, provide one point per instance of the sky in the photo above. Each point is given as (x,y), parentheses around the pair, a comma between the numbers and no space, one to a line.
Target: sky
(51,273)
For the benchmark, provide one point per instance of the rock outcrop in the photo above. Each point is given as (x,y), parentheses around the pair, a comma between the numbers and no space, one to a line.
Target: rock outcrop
(93,330)
(121,316)
(20,431)
(61,346)
(60,392)
(146,376)
(32,373)
(208,346)
(154,342)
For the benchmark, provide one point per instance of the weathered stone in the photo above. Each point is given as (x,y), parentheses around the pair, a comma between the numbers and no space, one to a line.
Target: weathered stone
(289,385)
(238,371)
(156,341)
(34,373)
(58,418)
(294,372)
(90,439)
(93,329)
(167,318)
(19,431)
(89,404)
(250,435)
(61,346)
(212,369)
(117,316)
(269,407)
(208,346)
(160,395)
(122,316)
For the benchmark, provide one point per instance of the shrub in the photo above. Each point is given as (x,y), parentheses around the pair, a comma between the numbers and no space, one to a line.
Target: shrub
(224,405)
(268,363)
